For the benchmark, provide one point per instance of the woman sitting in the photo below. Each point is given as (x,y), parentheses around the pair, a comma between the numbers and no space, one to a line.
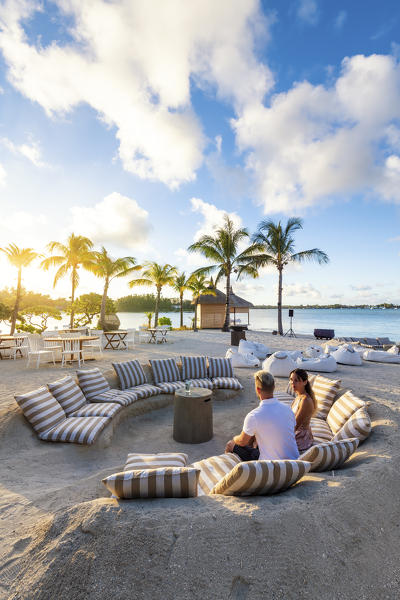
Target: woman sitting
(303,406)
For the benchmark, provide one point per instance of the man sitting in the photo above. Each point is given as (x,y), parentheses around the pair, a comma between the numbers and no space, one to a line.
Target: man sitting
(271,425)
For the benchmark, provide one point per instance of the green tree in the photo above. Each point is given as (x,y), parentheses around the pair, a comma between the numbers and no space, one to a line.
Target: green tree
(223,249)
(76,253)
(158,275)
(41,313)
(149,316)
(108,269)
(18,257)
(277,242)
(180,285)
(199,286)
(5,312)
(88,306)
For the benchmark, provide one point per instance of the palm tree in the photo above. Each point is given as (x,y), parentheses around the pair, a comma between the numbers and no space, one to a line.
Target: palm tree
(18,257)
(278,250)
(199,286)
(107,268)
(180,285)
(222,249)
(71,256)
(158,275)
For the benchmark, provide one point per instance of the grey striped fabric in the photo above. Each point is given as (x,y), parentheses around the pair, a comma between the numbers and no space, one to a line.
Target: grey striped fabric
(97,409)
(169,482)
(357,426)
(219,367)
(284,397)
(124,398)
(321,430)
(260,477)
(202,383)
(213,469)
(226,383)
(77,430)
(165,370)
(170,387)
(194,367)
(145,391)
(68,393)
(41,409)
(92,382)
(325,457)
(155,461)
(129,373)
(342,409)
(325,391)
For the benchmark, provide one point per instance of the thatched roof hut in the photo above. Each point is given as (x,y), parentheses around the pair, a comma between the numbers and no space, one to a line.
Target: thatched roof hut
(211,310)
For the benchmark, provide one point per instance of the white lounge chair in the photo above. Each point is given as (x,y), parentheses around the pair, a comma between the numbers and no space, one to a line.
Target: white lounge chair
(144,335)
(72,348)
(130,338)
(36,348)
(93,345)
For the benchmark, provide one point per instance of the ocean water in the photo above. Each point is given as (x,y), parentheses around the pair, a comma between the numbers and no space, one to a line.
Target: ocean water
(355,322)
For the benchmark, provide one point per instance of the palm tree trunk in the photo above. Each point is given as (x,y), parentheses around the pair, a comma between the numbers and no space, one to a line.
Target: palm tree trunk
(195,314)
(71,320)
(280,328)
(103,303)
(157,305)
(181,301)
(225,326)
(16,305)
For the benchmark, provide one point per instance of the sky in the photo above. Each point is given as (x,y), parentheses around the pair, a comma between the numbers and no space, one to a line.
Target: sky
(140,124)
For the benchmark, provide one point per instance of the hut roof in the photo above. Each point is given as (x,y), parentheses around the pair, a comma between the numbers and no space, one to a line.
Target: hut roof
(220,298)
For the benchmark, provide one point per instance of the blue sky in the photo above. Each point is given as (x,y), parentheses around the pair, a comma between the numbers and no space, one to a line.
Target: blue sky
(141,124)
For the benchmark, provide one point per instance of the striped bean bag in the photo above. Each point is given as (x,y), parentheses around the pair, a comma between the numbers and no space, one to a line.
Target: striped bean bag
(168,482)
(358,426)
(261,477)
(80,430)
(165,370)
(68,393)
(170,387)
(194,367)
(213,469)
(124,398)
(155,461)
(342,409)
(92,383)
(130,374)
(325,391)
(219,367)
(41,409)
(226,383)
(325,457)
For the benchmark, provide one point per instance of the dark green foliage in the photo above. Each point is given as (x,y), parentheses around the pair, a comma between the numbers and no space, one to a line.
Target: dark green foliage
(145,303)
(87,306)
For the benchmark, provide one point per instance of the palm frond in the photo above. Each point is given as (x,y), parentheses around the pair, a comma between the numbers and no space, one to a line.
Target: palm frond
(314,254)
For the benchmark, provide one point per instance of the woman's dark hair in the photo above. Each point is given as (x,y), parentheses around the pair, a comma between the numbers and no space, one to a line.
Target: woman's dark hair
(308,389)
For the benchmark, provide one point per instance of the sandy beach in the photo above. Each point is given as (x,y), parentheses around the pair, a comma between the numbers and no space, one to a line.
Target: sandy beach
(333,535)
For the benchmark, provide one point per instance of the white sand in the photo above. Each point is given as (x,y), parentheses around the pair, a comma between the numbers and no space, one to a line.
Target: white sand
(334,535)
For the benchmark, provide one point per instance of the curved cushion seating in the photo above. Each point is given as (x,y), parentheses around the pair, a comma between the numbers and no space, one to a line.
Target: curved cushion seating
(220,367)
(213,469)
(155,461)
(241,360)
(325,364)
(260,351)
(342,410)
(124,398)
(41,409)
(168,482)
(380,356)
(358,426)
(77,430)
(194,367)
(164,370)
(321,430)
(325,391)
(92,382)
(346,355)
(130,374)
(279,364)
(261,477)
(226,383)
(68,394)
(202,383)
(170,387)
(325,457)
(99,409)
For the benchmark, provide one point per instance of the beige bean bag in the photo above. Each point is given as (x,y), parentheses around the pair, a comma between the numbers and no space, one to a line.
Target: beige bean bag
(346,355)
(279,364)
(325,364)
(381,356)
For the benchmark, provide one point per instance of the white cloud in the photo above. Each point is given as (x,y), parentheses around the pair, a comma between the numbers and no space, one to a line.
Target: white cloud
(314,143)
(117,220)
(31,151)
(340,19)
(213,217)
(134,62)
(361,288)
(3,176)
(24,229)
(301,289)
(307,11)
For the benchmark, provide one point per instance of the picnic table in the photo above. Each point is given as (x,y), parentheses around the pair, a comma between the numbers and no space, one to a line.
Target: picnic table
(115,340)
(11,338)
(80,338)
(153,335)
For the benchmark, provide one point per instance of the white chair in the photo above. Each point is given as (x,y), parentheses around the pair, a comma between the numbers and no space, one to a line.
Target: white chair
(56,346)
(143,334)
(21,346)
(93,345)
(36,348)
(72,348)
(130,338)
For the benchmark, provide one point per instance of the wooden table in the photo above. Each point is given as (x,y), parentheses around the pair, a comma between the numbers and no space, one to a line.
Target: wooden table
(10,338)
(153,335)
(193,416)
(115,340)
(81,338)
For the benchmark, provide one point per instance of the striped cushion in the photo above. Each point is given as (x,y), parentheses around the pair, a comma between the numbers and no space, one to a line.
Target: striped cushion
(155,461)
(194,367)
(342,409)
(92,382)
(68,393)
(227,383)
(202,383)
(129,373)
(324,457)
(169,482)
(219,367)
(260,477)
(41,409)
(124,398)
(213,469)
(325,391)
(165,370)
(97,409)
(170,387)
(321,430)
(284,397)
(79,430)
(358,426)
(145,391)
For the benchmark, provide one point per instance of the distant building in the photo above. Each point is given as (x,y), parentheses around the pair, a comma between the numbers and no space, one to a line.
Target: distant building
(211,310)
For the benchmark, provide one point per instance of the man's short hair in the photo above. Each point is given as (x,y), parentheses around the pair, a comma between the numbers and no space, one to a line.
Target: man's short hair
(265,381)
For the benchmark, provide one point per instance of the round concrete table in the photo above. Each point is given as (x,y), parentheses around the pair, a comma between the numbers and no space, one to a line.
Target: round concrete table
(193,416)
